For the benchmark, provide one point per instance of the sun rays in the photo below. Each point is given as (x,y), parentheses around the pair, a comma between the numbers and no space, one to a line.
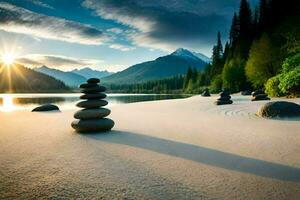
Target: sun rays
(8,59)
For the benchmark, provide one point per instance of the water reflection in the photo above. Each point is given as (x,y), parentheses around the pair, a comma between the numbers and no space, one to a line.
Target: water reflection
(7,103)
(11,102)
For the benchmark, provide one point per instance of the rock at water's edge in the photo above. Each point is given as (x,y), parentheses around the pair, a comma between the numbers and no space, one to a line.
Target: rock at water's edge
(46,107)
(279,109)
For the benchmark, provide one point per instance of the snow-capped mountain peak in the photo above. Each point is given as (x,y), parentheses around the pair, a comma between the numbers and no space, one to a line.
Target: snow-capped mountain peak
(181,52)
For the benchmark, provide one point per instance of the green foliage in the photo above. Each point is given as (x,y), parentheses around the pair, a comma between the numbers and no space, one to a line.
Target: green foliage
(291,63)
(260,65)
(233,74)
(290,82)
(216,84)
(272,87)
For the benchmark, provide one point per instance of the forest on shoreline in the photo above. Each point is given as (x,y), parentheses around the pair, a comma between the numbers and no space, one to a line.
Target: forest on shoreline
(262,52)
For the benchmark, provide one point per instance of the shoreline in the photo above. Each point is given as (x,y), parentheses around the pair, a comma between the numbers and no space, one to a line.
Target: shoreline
(183,148)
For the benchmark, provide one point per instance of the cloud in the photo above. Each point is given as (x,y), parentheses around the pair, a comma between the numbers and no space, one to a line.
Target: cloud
(41,4)
(55,61)
(115,30)
(121,47)
(190,23)
(19,20)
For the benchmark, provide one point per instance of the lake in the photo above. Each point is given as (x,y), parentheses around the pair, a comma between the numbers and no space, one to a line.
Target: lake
(10,102)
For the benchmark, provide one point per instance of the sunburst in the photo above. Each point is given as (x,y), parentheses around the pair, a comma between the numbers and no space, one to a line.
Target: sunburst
(8,59)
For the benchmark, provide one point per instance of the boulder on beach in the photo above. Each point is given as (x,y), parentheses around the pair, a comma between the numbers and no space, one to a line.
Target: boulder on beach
(279,109)
(259,95)
(205,93)
(46,107)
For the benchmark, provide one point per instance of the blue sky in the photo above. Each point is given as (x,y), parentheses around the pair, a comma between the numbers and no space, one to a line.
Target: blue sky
(109,34)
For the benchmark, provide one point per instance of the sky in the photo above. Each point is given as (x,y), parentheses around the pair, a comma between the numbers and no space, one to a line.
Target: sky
(109,34)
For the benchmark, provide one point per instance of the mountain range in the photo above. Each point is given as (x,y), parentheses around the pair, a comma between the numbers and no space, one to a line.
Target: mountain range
(90,73)
(170,65)
(18,78)
(72,78)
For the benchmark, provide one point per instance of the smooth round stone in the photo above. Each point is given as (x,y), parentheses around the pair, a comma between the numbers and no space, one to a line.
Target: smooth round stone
(88,85)
(279,109)
(224,94)
(224,98)
(93,125)
(92,113)
(223,102)
(46,107)
(93,96)
(260,97)
(96,89)
(205,94)
(92,103)
(93,80)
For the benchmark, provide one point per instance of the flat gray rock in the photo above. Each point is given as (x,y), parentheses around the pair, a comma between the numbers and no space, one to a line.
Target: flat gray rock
(88,85)
(279,109)
(225,98)
(93,80)
(93,96)
(96,89)
(93,125)
(92,113)
(223,102)
(260,97)
(92,103)
(46,107)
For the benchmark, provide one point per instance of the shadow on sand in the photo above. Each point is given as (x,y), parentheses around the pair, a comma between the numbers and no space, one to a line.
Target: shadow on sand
(202,155)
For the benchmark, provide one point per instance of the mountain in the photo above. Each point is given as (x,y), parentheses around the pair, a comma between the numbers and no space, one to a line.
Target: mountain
(181,52)
(70,79)
(90,73)
(173,64)
(17,78)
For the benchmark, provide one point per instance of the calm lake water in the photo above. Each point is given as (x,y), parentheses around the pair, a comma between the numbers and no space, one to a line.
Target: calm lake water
(10,102)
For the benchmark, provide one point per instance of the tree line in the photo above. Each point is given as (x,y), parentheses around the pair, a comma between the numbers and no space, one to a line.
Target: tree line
(262,52)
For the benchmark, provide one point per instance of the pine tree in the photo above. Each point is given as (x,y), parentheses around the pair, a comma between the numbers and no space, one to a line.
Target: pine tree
(246,29)
(217,61)
(187,77)
(234,30)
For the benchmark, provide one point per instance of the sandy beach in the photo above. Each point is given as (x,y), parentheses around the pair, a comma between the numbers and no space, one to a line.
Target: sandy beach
(169,149)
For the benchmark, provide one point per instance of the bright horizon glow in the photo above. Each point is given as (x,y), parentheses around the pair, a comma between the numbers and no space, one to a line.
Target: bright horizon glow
(8,59)
(7,104)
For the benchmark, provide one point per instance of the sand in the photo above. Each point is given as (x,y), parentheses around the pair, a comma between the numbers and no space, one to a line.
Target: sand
(170,149)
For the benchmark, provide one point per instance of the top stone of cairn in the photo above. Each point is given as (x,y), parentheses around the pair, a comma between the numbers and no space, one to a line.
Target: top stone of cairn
(93,80)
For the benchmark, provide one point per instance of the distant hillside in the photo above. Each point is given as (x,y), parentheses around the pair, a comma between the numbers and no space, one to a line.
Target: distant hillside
(167,66)
(90,73)
(69,78)
(18,78)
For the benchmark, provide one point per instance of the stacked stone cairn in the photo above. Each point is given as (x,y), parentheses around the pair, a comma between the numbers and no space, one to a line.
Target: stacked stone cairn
(259,95)
(224,98)
(206,93)
(92,117)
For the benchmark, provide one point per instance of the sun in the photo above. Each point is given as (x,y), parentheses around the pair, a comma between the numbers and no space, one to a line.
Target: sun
(8,59)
